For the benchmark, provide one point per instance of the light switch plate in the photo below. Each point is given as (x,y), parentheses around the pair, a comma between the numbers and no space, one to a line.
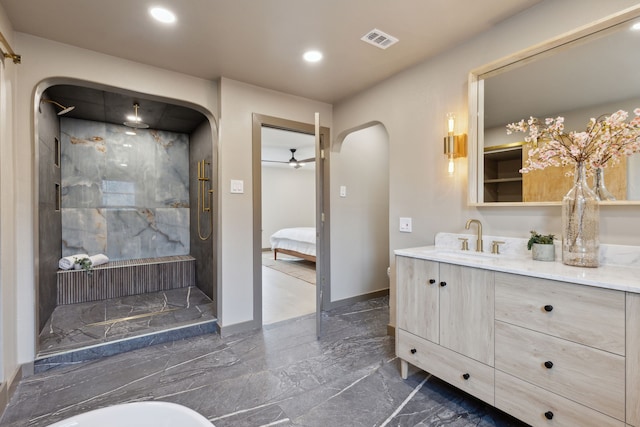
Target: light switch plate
(343,191)
(237,186)
(405,225)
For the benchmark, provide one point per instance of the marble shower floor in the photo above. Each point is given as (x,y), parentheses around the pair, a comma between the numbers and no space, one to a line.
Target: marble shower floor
(280,375)
(75,326)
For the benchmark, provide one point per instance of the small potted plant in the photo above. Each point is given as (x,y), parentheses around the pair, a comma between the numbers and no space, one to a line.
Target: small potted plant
(541,246)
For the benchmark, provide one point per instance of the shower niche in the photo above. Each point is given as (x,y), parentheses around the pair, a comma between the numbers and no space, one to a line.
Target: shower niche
(118,175)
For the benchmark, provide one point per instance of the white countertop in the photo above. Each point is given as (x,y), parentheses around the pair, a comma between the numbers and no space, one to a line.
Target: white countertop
(618,277)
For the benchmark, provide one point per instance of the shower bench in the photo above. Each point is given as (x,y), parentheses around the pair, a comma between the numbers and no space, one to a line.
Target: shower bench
(123,278)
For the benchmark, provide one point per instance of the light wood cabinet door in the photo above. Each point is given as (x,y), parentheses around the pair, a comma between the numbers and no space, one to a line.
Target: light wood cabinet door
(467,311)
(633,359)
(417,304)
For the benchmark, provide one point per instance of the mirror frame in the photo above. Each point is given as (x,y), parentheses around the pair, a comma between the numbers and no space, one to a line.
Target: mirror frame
(476,109)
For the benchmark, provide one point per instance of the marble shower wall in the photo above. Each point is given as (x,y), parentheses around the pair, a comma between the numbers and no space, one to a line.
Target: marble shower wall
(124,196)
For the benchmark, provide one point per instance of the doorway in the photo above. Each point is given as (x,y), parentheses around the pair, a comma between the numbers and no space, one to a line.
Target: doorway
(291,215)
(288,225)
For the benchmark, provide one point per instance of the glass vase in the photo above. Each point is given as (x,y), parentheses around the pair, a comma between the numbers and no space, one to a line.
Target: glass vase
(599,188)
(580,223)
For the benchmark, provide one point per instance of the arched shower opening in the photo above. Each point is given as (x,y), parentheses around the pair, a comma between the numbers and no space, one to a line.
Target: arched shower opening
(131,177)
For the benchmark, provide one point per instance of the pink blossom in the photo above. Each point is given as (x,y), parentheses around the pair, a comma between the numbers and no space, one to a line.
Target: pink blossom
(605,140)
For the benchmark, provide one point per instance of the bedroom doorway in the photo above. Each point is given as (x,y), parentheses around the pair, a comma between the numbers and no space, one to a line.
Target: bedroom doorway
(286,218)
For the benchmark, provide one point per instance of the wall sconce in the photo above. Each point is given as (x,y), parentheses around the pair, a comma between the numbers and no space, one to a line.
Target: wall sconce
(454,145)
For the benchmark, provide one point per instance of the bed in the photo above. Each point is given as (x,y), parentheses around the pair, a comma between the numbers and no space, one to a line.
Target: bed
(299,242)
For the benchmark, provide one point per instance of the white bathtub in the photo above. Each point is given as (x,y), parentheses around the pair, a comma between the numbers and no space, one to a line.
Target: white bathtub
(138,414)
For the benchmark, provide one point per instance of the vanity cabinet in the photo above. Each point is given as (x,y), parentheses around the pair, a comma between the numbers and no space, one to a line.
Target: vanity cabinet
(548,352)
(445,323)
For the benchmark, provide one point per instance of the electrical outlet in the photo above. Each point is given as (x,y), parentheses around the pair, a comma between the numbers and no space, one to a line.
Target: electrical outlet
(405,225)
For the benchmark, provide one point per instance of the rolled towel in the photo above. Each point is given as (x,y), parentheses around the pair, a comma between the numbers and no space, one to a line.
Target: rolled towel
(66,263)
(98,259)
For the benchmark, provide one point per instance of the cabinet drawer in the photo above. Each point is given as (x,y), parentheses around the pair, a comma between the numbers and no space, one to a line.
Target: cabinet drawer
(589,376)
(530,404)
(584,314)
(447,365)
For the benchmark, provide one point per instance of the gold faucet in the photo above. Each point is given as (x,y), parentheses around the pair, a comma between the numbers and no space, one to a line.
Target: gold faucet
(479,241)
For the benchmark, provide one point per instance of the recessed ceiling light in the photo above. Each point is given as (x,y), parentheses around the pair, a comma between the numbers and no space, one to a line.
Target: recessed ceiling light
(636,26)
(163,15)
(312,56)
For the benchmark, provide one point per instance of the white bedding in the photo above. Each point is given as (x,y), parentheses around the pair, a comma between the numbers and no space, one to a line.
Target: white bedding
(299,239)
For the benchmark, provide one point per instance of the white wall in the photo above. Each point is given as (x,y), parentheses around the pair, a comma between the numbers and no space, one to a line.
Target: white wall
(239,101)
(288,199)
(8,216)
(360,221)
(412,106)
(43,63)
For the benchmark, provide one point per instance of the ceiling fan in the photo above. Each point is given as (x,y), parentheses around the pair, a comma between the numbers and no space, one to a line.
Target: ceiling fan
(293,162)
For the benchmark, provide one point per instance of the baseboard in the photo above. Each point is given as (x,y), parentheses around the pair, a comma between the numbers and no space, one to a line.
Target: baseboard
(239,327)
(358,298)
(8,388)
(253,325)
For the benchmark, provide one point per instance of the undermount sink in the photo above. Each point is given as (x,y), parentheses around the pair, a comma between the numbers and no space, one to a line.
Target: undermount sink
(466,254)
(444,254)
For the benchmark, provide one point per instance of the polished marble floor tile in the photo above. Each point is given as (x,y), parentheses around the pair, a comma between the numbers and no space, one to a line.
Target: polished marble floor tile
(76,326)
(281,375)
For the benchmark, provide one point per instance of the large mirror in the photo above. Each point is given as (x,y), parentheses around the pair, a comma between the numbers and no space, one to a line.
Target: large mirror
(591,72)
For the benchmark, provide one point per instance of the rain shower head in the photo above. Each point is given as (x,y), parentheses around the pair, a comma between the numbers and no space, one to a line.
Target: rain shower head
(64,110)
(135,121)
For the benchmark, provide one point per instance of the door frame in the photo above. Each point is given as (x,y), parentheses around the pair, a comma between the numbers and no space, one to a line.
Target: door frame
(323,265)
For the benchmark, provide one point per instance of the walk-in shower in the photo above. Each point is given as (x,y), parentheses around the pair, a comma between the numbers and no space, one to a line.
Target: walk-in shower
(137,198)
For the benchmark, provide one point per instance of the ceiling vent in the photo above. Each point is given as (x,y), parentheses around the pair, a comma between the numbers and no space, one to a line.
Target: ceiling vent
(379,38)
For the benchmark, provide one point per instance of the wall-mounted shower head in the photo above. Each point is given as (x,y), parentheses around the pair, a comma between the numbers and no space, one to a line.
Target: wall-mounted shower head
(135,121)
(64,110)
